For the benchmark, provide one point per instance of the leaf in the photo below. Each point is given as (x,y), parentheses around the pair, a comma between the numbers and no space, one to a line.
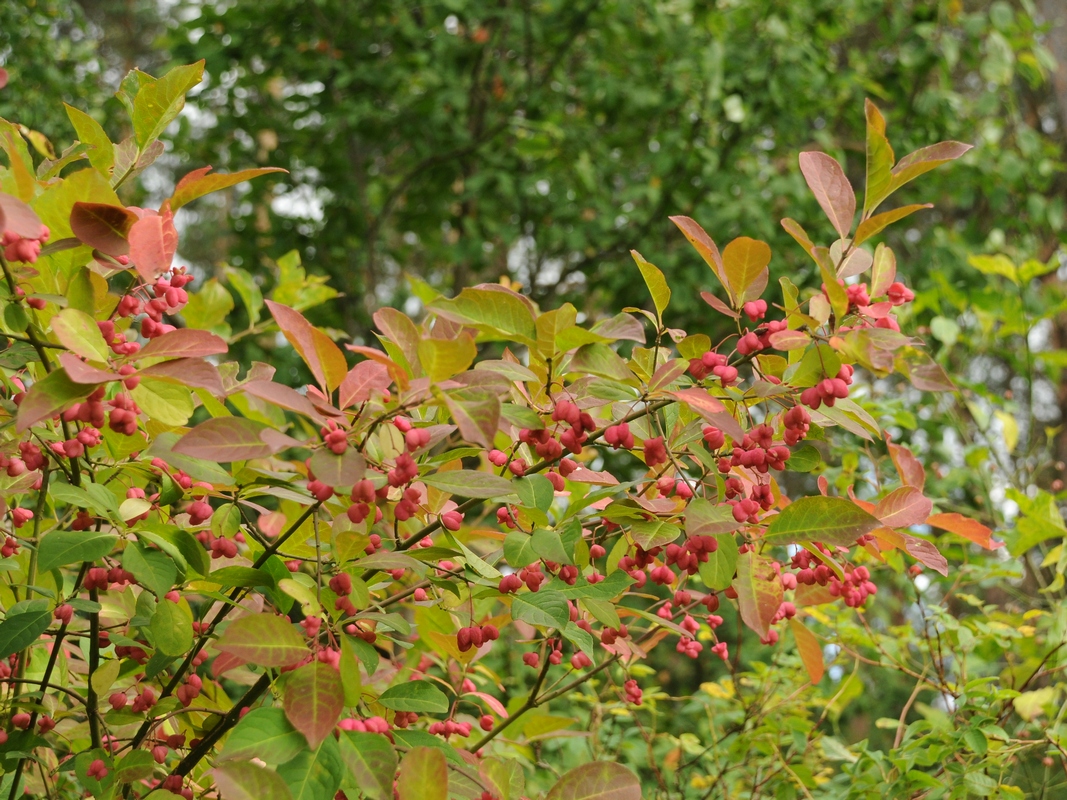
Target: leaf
(534,491)
(315,774)
(103,227)
(78,332)
(172,628)
(17,217)
(225,439)
(158,102)
(371,760)
(324,359)
(654,533)
(421,697)
(810,650)
(903,508)
(153,569)
(313,699)
(599,780)
(704,245)
(244,780)
(884,271)
(48,396)
(60,548)
(877,223)
(423,775)
(599,359)
(656,283)
(879,159)
(499,314)
(794,229)
(909,468)
(759,591)
(744,262)
(361,382)
(995,265)
(165,402)
(505,779)
(199,183)
(19,631)
(925,159)
(965,527)
(790,340)
(831,520)
(546,608)
(471,483)
(338,470)
(918,548)
(703,518)
(718,571)
(153,242)
(264,640)
(476,413)
(264,733)
(89,131)
(184,343)
(708,407)
(282,396)
(831,188)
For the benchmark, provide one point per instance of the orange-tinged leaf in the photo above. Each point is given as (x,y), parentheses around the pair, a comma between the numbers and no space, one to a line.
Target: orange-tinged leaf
(794,229)
(965,527)
(198,183)
(920,549)
(903,507)
(877,223)
(324,359)
(313,699)
(831,188)
(80,372)
(153,242)
(423,775)
(396,372)
(703,244)
(719,305)
(600,780)
(909,468)
(103,227)
(880,159)
(282,396)
(744,262)
(809,648)
(264,640)
(759,591)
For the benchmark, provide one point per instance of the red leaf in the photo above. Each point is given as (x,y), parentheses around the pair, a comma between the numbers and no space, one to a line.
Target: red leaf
(224,662)
(324,359)
(17,217)
(831,188)
(909,468)
(361,381)
(153,243)
(184,343)
(103,227)
(264,640)
(231,439)
(965,527)
(193,372)
(198,183)
(313,700)
(810,650)
(282,396)
(80,372)
(759,591)
(903,508)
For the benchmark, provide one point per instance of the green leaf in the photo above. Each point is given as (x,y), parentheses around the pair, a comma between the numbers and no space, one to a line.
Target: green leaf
(498,313)
(805,458)
(60,548)
(995,265)
(153,569)
(315,774)
(476,413)
(879,160)
(172,627)
(243,780)
(20,630)
(759,591)
(48,396)
(600,360)
(879,222)
(545,607)
(534,491)
(611,587)
(102,155)
(158,102)
(248,290)
(313,699)
(519,549)
(165,402)
(423,775)
(134,766)
(654,533)
(471,483)
(443,358)
(718,571)
(338,470)
(599,780)
(656,283)
(265,640)
(830,520)
(421,697)
(264,733)
(703,518)
(242,576)
(371,761)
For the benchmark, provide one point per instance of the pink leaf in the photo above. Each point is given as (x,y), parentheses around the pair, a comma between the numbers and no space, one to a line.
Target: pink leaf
(153,243)
(225,439)
(184,343)
(194,372)
(831,188)
(719,305)
(909,468)
(903,508)
(80,372)
(17,217)
(361,381)
(282,396)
